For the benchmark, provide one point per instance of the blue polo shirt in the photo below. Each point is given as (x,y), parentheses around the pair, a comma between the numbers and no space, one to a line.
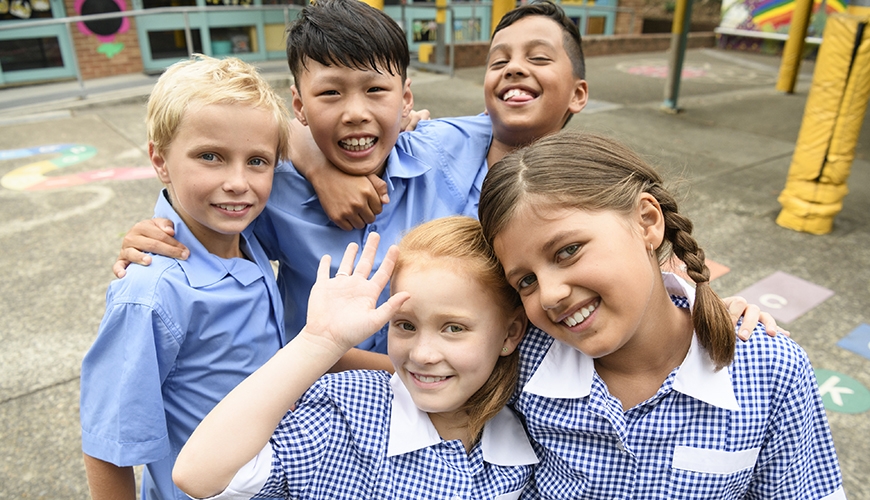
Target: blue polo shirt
(431,172)
(176,337)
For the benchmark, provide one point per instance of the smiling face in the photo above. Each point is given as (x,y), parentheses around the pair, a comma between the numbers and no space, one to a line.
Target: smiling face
(355,115)
(530,88)
(447,337)
(218,171)
(585,278)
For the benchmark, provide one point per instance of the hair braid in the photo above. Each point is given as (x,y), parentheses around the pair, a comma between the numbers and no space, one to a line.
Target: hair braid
(710,315)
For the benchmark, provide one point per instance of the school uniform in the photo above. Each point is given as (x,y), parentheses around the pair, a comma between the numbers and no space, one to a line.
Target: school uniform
(176,337)
(430,173)
(358,434)
(755,429)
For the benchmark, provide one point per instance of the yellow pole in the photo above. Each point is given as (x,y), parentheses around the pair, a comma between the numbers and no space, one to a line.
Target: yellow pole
(859,8)
(793,51)
(378,4)
(835,109)
(499,9)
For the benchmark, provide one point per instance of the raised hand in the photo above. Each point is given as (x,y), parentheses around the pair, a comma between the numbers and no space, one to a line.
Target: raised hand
(343,310)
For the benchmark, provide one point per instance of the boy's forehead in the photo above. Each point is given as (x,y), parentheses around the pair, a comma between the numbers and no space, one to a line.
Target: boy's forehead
(337,71)
(529,30)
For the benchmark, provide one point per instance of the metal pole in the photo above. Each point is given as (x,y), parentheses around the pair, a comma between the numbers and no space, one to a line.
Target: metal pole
(440,21)
(75,62)
(679,39)
(188,37)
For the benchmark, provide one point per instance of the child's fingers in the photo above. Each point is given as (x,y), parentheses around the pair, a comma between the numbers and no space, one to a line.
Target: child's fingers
(388,309)
(385,270)
(367,259)
(345,267)
(323,268)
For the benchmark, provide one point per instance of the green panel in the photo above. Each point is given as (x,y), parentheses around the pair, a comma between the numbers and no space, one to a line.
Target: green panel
(60,33)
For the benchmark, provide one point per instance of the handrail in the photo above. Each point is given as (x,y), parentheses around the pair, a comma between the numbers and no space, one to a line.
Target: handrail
(814,40)
(186,11)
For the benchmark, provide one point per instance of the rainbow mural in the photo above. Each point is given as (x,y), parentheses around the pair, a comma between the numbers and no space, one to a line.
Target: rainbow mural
(775,15)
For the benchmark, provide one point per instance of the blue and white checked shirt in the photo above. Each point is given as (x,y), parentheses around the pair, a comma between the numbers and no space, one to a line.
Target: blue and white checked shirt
(358,435)
(754,430)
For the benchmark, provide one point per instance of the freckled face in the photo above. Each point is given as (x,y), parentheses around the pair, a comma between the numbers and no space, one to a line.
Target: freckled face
(447,337)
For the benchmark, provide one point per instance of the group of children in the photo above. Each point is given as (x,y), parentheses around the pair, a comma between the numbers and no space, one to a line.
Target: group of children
(629,383)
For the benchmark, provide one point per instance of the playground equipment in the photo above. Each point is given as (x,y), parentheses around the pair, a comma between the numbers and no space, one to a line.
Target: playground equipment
(835,109)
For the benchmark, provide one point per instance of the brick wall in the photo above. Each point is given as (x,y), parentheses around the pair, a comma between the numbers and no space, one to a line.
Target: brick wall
(94,64)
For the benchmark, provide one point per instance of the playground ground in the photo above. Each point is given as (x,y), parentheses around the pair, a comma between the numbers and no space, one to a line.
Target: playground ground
(731,148)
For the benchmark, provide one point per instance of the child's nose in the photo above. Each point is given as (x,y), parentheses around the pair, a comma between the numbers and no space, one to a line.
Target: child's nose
(356,110)
(236,180)
(424,352)
(552,291)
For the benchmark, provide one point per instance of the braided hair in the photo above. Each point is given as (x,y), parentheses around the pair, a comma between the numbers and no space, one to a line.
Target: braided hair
(595,173)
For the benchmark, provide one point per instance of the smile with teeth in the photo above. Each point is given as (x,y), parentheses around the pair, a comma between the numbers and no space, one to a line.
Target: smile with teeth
(516,93)
(358,144)
(579,316)
(232,208)
(427,379)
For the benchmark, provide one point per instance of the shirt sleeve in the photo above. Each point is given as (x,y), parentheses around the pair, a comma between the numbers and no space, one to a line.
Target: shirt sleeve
(122,411)
(249,480)
(798,459)
(457,147)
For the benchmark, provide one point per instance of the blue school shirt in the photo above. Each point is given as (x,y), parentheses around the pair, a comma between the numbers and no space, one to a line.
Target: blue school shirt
(177,336)
(755,429)
(430,173)
(359,435)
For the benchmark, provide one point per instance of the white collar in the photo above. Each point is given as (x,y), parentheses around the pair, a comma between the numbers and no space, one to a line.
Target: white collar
(566,373)
(504,441)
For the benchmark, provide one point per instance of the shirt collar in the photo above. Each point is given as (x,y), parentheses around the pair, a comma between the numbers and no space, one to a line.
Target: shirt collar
(566,373)
(203,268)
(504,441)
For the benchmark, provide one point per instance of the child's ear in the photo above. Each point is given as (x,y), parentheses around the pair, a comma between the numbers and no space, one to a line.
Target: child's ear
(407,98)
(516,331)
(298,106)
(581,96)
(159,163)
(652,220)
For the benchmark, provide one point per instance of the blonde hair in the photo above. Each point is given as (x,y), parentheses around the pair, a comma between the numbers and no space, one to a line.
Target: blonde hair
(591,172)
(204,80)
(461,239)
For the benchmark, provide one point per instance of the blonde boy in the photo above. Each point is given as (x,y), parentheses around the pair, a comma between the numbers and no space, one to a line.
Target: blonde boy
(177,336)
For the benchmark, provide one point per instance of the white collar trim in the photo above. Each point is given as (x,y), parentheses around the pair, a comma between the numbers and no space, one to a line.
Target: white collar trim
(566,373)
(504,441)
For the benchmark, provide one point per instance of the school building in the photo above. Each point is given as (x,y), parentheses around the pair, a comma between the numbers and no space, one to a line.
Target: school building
(47,40)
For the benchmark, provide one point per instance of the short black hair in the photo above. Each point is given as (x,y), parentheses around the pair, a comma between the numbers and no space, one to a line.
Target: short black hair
(347,33)
(571,34)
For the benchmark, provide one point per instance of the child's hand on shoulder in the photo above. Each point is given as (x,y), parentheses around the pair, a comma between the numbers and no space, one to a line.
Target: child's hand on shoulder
(343,310)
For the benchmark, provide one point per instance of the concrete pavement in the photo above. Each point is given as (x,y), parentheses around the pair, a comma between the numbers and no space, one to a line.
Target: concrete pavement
(731,148)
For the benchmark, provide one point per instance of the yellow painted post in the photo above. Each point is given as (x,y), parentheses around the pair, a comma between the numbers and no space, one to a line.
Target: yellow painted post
(836,105)
(378,4)
(859,8)
(499,9)
(793,51)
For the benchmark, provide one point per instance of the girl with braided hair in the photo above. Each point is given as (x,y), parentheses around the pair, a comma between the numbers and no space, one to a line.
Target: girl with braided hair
(638,388)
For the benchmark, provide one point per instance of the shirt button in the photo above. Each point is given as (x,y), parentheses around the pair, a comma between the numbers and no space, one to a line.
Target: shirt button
(620,446)
(373,227)
(456,497)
